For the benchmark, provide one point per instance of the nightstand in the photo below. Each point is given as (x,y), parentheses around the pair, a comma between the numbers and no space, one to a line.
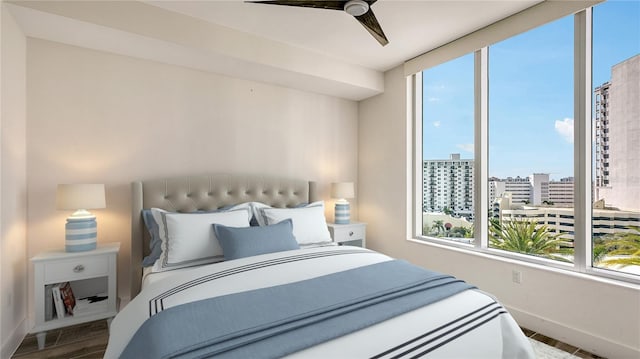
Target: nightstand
(91,274)
(352,234)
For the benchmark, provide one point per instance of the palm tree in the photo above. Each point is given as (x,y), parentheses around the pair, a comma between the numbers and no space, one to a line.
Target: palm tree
(625,244)
(599,250)
(524,236)
(461,232)
(438,226)
(471,233)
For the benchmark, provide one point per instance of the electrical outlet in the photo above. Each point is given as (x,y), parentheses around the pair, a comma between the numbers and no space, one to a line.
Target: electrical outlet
(516,276)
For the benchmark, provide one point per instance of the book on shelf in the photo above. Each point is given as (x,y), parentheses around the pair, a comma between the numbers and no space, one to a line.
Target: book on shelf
(57,300)
(49,310)
(64,303)
(68,298)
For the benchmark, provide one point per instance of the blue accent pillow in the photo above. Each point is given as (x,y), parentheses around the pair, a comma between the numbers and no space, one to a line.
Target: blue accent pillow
(251,241)
(155,244)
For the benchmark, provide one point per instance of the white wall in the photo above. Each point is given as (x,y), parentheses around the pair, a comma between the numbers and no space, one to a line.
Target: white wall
(105,118)
(599,316)
(13,199)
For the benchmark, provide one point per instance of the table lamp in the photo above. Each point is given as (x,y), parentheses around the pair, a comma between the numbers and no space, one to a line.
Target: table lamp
(81,228)
(342,191)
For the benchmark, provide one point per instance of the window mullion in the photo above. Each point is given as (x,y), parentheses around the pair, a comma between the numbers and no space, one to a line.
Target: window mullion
(481,148)
(414,106)
(582,140)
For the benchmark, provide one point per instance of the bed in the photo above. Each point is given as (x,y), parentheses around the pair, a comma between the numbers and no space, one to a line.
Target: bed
(280,288)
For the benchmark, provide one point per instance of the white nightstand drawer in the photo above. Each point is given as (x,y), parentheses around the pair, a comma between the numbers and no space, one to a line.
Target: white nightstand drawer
(352,234)
(348,233)
(76,268)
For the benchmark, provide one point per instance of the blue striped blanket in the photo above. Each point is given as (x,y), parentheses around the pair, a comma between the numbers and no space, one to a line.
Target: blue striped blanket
(276,321)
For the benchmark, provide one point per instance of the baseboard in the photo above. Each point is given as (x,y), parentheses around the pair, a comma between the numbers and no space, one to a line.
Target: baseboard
(14,340)
(586,341)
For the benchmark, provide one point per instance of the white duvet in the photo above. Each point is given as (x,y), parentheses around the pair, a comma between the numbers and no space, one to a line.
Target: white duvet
(467,325)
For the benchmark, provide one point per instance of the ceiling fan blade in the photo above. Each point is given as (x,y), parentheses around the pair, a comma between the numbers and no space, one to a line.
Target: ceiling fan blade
(318,4)
(369,21)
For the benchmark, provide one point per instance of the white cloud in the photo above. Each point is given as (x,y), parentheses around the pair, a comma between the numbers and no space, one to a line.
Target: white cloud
(436,123)
(565,129)
(468,147)
(433,99)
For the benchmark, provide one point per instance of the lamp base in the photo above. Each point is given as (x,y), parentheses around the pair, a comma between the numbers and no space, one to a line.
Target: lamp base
(81,234)
(342,213)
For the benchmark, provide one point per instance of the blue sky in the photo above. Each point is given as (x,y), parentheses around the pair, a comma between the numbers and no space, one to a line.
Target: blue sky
(530,94)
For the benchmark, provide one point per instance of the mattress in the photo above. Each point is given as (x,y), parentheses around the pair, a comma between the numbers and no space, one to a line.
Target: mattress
(467,324)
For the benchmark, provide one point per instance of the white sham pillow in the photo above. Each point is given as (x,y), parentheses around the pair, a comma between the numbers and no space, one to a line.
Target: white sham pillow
(257,207)
(188,239)
(256,210)
(309,223)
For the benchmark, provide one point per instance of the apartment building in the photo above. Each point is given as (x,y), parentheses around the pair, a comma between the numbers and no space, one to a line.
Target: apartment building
(561,192)
(617,131)
(519,188)
(601,114)
(448,184)
(537,189)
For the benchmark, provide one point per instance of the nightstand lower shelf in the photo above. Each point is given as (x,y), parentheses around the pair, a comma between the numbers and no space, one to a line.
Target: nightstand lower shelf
(355,243)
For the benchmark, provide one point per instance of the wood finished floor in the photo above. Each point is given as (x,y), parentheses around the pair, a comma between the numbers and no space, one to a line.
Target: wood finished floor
(89,340)
(84,341)
(559,345)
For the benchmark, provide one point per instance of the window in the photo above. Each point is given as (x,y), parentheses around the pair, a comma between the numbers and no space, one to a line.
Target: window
(616,66)
(447,133)
(548,165)
(531,138)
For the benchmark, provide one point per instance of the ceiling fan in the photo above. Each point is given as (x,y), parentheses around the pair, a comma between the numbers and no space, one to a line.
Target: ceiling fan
(359,9)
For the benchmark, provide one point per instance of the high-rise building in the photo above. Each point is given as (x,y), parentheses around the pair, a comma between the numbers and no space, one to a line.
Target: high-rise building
(518,187)
(602,134)
(448,184)
(539,188)
(561,192)
(535,190)
(617,122)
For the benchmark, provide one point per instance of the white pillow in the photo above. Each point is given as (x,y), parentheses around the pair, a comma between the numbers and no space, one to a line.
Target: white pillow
(309,224)
(256,209)
(188,238)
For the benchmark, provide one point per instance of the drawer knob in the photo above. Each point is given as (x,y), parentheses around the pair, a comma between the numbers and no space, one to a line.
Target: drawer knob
(79,268)
(350,233)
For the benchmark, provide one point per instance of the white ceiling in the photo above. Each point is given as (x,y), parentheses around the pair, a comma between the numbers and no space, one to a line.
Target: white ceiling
(325,51)
(412,26)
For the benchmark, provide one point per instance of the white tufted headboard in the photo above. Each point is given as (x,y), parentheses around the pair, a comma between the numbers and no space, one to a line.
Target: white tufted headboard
(202,193)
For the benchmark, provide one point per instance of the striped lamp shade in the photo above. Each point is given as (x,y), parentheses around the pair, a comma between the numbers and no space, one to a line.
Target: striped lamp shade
(81,228)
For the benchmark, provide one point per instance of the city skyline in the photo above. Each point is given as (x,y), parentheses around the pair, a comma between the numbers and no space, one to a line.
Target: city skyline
(535,90)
